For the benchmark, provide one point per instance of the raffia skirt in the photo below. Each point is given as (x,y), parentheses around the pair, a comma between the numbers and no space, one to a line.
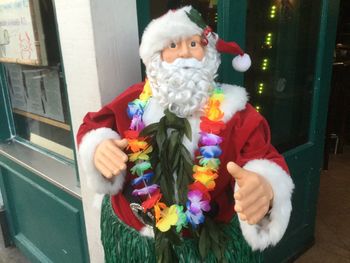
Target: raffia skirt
(123,244)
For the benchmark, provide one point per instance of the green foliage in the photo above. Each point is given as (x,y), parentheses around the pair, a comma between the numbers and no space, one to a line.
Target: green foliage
(196,18)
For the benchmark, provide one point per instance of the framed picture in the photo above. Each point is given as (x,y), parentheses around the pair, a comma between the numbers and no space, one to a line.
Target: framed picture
(22,39)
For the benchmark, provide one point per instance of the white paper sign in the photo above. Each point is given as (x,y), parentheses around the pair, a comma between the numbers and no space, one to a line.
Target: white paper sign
(16,86)
(18,43)
(52,99)
(34,91)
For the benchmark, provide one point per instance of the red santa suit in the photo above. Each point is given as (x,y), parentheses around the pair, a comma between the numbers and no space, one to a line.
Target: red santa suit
(246,141)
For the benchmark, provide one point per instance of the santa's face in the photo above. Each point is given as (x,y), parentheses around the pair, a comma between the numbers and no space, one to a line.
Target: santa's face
(187,48)
(182,75)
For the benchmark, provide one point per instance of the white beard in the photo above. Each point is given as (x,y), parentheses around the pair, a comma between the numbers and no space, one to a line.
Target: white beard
(183,87)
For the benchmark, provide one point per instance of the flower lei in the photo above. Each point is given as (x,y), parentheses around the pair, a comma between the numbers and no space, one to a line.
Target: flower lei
(204,174)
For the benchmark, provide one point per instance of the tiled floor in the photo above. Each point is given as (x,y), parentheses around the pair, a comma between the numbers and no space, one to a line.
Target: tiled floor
(332,226)
(333,218)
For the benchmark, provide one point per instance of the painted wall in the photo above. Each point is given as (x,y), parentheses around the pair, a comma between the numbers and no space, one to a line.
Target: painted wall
(99,42)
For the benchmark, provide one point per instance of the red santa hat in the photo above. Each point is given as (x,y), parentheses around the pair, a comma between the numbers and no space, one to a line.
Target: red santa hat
(182,23)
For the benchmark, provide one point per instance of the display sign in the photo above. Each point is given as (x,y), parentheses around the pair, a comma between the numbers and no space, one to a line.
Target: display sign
(21,33)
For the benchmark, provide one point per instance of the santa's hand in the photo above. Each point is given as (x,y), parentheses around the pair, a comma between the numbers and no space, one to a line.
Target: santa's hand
(254,196)
(109,157)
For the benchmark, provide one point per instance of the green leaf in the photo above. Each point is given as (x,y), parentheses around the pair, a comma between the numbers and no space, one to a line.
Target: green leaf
(164,249)
(161,133)
(196,18)
(203,243)
(150,130)
(188,131)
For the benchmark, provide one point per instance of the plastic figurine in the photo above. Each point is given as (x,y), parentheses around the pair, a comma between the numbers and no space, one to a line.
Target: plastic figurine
(185,162)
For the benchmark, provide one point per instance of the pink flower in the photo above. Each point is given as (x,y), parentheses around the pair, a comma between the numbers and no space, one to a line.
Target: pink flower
(209,139)
(195,203)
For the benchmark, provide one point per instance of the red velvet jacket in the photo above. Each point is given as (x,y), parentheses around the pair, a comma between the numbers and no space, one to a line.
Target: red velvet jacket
(245,138)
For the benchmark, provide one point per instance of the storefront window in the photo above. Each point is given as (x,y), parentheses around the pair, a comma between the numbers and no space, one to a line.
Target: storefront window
(34,76)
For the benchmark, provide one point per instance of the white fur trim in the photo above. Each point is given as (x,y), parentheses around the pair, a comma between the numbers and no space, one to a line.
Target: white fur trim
(147,231)
(241,63)
(235,100)
(271,229)
(86,153)
(172,26)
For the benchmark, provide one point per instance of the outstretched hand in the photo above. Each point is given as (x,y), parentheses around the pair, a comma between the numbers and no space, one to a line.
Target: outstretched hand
(254,196)
(109,157)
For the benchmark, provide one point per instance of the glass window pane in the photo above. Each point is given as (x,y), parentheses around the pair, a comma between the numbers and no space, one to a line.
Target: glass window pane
(282,38)
(38,98)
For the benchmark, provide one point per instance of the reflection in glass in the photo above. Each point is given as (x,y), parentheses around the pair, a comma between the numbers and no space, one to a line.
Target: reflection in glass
(281,39)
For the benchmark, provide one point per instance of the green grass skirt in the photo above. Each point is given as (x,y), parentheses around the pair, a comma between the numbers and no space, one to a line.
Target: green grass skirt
(123,244)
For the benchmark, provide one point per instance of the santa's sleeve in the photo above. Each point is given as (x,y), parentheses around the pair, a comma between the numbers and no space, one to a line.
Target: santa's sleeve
(96,127)
(259,156)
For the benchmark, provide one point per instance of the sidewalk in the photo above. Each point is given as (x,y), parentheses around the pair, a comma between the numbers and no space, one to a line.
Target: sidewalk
(333,214)
(10,254)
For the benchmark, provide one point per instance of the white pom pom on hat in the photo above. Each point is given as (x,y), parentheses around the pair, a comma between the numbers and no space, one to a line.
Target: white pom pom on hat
(181,23)
(242,61)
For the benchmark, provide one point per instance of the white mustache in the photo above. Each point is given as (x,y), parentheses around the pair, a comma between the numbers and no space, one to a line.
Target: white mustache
(183,63)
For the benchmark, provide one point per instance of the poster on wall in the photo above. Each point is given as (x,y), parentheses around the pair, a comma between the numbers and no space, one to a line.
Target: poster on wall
(21,33)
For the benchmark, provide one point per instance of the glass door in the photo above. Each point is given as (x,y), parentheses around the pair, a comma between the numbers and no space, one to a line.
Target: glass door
(291,44)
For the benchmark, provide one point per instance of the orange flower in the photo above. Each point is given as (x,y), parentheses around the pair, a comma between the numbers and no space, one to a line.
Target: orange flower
(213,112)
(206,178)
(137,144)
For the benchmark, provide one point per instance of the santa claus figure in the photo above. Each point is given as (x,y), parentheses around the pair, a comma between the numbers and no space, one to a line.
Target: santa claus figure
(185,162)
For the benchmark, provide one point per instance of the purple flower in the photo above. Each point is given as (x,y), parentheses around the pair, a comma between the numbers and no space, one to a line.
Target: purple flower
(137,123)
(210,151)
(146,177)
(209,139)
(195,203)
(146,190)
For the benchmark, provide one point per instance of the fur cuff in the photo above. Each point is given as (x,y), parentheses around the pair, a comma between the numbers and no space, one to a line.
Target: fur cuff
(86,154)
(272,227)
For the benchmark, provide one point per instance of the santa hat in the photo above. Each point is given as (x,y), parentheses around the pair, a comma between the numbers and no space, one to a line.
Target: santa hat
(182,23)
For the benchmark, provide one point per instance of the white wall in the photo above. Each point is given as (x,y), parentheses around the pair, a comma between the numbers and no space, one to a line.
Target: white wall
(99,44)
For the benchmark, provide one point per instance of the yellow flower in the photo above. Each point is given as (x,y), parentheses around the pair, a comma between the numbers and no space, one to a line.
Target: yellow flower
(147,92)
(201,169)
(168,218)
(218,96)
(140,155)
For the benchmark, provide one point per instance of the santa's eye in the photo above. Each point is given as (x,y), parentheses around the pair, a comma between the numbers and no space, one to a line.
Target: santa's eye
(193,43)
(172,45)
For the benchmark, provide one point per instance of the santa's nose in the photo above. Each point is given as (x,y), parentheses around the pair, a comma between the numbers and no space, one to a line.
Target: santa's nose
(184,51)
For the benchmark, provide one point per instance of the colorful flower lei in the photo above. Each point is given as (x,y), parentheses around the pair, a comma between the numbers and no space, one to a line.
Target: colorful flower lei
(204,174)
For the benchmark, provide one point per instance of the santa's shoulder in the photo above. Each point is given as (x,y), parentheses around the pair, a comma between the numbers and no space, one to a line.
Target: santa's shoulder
(235,99)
